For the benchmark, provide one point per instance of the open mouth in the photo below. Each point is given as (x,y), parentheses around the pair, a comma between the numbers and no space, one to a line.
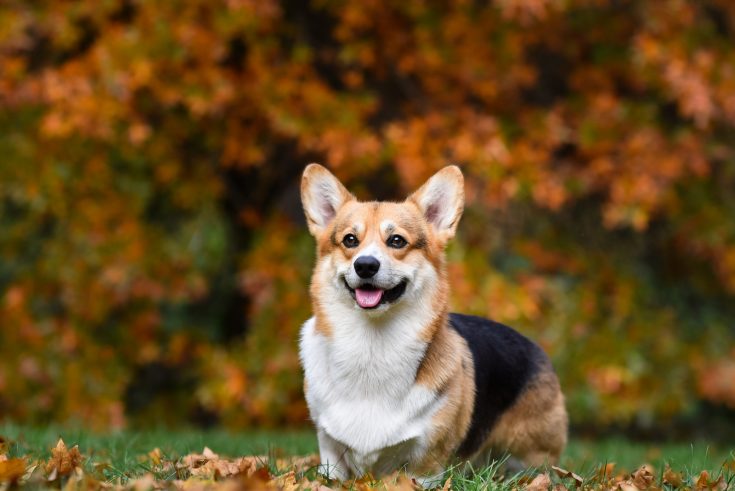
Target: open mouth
(369,296)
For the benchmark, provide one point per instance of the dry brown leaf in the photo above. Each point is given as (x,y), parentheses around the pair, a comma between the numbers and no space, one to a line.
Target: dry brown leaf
(643,477)
(673,478)
(208,454)
(705,482)
(258,481)
(155,456)
(447,485)
(287,482)
(542,482)
(248,465)
(563,473)
(303,463)
(627,485)
(209,465)
(398,481)
(193,460)
(63,461)
(11,470)
(225,468)
(143,483)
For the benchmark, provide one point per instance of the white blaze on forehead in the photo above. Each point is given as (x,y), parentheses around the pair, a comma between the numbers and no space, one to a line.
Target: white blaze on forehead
(372,249)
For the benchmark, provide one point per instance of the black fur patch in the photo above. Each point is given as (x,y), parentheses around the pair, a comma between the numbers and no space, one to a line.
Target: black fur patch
(420,242)
(505,361)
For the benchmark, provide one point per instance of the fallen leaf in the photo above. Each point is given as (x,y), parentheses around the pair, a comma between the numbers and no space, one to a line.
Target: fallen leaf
(287,482)
(63,461)
(643,477)
(627,486)
(258,480)
(145,482)
(155,456)
(398,481)
(208,454)
(11,470)
(563,473)
(705,482)
(262,474)
(673,478)
(303,463)
(542,482)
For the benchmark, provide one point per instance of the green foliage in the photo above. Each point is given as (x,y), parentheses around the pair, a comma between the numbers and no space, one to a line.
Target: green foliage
(149,179)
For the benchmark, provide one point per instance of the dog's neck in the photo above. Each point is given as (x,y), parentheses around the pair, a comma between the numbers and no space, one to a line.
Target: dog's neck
(380,354)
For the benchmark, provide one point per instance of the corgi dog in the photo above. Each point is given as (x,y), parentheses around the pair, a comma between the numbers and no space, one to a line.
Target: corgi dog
(391,378)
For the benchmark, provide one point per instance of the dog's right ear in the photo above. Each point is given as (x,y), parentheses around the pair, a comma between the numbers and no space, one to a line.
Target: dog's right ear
(322,195)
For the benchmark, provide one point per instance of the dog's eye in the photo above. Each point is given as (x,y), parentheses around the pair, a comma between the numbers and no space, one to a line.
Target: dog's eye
(396,242)
(350,240)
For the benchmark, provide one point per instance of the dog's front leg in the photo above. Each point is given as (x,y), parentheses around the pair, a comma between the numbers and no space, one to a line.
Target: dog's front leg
(332,455)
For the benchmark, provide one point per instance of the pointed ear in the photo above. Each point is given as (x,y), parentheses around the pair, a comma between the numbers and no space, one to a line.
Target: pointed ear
(441,200)
(322,195)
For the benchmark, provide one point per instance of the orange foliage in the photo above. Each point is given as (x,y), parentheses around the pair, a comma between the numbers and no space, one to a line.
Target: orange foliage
(151,154)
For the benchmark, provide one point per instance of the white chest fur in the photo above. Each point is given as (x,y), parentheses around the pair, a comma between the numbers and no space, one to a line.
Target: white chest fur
(361,386)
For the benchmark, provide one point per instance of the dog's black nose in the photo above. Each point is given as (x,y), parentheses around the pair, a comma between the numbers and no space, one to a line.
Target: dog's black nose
(366,266)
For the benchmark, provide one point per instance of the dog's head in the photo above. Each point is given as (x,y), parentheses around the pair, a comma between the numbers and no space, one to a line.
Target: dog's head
(372,255)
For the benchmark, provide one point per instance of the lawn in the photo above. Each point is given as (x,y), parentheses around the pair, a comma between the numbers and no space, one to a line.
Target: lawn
(126,458)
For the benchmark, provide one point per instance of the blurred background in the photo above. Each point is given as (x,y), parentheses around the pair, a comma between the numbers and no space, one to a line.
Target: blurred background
(154,256)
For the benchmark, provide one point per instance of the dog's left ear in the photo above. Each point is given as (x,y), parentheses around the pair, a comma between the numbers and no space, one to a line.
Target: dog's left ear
(322,196)
(441,200)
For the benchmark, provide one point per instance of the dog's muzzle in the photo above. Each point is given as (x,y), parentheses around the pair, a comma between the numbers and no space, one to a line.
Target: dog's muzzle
(369,296)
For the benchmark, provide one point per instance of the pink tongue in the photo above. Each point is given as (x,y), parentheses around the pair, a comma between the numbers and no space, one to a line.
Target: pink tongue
(368,298)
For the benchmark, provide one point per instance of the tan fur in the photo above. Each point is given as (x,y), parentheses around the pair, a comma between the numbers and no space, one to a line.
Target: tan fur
(534,428)
(447,368)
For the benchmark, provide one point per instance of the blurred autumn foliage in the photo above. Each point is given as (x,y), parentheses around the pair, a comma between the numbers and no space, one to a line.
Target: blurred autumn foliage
(154,257)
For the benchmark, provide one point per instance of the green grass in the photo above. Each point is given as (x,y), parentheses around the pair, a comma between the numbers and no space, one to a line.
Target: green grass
(585,455)
(121,451)
(123,448)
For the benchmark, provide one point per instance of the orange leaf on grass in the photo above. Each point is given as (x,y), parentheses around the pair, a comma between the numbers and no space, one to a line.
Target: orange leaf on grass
(643,477)
(155,456)
(705,482)
(563,473)
(542,482)
(11,470)
(673,478)
(63,461)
